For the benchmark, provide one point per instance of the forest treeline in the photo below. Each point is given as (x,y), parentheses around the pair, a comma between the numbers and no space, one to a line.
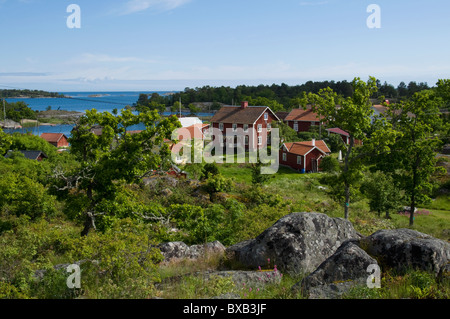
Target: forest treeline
(278,96)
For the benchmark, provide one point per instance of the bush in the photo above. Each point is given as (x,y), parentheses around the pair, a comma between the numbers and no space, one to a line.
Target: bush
(329,164)
(209,169)
(21,195)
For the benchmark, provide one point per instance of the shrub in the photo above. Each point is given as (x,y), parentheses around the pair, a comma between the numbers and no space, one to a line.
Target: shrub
(329,164)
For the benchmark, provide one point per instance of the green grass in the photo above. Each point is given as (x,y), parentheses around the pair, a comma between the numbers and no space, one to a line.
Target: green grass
(440,203)
(437,224)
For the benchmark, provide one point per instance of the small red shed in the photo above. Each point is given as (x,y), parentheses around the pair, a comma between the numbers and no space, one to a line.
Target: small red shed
(304,157)
(56,139)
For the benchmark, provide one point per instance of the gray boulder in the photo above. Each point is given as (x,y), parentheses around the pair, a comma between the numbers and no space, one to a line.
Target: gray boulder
(179,250)
(245,279)
(345,269)
(297,243)
(403,249)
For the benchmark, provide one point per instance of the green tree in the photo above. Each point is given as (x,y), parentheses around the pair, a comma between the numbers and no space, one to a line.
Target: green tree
(353,115)
(443,91)
(383,194)
(18,111)
(209,169)
(417,120)
(114,157)
(287,133)
(193,109)
(176,107)
(257,177)
(143,99)
(264,101)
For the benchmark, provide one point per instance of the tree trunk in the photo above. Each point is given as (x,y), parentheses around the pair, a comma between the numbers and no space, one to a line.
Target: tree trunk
(413,193)
(346,183)
(89,222)
(347,200)
(412,209)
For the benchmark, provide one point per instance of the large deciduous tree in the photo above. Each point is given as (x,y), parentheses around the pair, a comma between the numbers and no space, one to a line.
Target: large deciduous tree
(414,160)
(354,115)
(110,156)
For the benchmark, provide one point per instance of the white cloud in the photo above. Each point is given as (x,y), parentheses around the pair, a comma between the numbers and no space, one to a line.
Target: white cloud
(134,6)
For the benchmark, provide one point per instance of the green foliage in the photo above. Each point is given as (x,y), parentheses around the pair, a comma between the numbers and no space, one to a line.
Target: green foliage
(217,183)
(199,225)
(115,157)
(28,142)
(335,143)
(120,263)
(209,169)
(5,143)
(414,162)
(264,101)
(193,108)
(18,111)
(383,194)
(286,133)
(329,164)
(15,93)
(21,195)
(257,177)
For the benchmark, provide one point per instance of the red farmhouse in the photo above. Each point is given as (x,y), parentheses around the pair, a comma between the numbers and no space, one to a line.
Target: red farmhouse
(257,118)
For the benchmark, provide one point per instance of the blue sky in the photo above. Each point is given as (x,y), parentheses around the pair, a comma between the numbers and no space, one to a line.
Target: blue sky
(172,44)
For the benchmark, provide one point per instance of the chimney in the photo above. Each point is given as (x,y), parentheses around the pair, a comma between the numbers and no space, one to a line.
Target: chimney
(244,104)
(313,142)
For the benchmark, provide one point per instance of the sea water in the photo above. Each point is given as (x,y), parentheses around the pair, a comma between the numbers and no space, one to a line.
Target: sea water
(80,102)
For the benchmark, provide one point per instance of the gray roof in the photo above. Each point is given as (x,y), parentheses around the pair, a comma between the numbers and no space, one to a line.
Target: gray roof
(33,155)
(238,115)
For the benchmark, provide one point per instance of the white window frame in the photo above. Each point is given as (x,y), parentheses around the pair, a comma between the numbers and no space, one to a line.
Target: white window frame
(221,126)
(234,125)
(269,127)
(259,128)
(313,123)
(296,126)
(299,160)
(284,157)
(259,140)
(245,127)
(266,116)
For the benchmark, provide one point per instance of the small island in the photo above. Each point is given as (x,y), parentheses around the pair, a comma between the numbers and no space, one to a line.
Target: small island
(28,94)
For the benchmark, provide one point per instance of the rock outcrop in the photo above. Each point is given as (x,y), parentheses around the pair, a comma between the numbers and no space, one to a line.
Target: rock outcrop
(345,269)
(297,243)
(404,249)
(179,250)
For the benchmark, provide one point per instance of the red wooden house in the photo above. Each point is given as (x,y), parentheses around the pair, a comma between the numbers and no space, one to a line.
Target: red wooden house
(301,120)
(257,119)
(303,156)
(344,135)
(56,139)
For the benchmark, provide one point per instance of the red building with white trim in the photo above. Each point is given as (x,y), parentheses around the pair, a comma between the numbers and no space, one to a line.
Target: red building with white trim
(301,120)
(304,157)
(246,119)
